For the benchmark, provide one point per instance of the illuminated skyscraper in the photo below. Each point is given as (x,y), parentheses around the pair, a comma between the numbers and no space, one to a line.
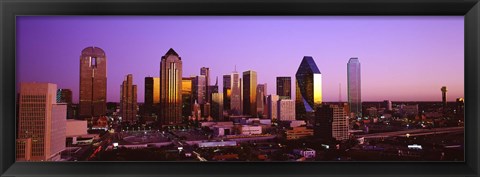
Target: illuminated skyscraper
(41,120)
(93,83)
(236,97)
(187,96)
(331,121)
(284,87)
(170,88)
(250,93)
(128,100)
(217,107)
(308,89)
(227,91)
(354,86)
(151,98)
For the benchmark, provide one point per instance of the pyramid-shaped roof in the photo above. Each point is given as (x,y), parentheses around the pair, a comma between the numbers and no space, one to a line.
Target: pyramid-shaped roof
(171,52)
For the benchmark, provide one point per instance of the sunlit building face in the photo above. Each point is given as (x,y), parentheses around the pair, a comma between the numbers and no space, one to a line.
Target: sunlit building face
(170,88)
(308,88)
(250,93)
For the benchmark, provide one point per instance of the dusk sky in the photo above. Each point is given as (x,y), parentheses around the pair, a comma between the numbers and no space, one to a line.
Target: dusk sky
(403,58)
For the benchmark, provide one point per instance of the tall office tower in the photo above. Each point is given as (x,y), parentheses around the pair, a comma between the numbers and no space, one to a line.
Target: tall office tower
(323,122)
(128,100)
(308,94)
(387,104)
(262,99)
(200,89)
(354,86)
(217,107)
(206,110)
(444,97)
(187,96)
(272,101)
(340,122)
(41,120)
(204,71)
(170,88)
(93,83)
(65,96)
(250,93)
(460,109)
(212,89)
(286,110)
(151,98)
(227,91)
(236,99)
(284,87)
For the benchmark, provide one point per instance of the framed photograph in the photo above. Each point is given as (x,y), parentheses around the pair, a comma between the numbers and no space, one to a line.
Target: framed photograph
(239,88)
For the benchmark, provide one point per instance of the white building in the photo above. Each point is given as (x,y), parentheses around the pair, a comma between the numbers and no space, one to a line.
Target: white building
(250,130)
(307,152)
(340,122)
(286,110)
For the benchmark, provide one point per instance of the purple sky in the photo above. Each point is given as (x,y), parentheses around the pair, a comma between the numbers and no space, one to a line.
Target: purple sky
(403,58)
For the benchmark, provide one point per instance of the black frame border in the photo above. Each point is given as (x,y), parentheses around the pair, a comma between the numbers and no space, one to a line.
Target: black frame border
(9,9)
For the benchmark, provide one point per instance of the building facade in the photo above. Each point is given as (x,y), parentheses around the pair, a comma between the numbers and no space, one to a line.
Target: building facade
(236,96)
(65,96)
(272,101)
(187,96)
(42,120)
(227,91)
(128,100)
(354,86)
(286,110)
(170,88)
(250,93)
(284,87)
(93,83)
(151,98)
(308,94)
(262,100)
(217,107)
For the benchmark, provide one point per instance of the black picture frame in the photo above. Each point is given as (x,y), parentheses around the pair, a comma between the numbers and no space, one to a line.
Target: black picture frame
(9,9)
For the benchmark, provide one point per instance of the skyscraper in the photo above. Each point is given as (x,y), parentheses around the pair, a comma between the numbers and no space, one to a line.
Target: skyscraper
(93,83)
(261,99)
(128,100)
(41,120)
(200,89)
(308,89)
(250,93)
(187,96)
(151,98)
(236,99)
(170,88)
(284,87)
(387,104)
(217,106)
(340,122)
(272,101)
(354,86)
(212,89)
(227,91)
(204,71)
(323,122)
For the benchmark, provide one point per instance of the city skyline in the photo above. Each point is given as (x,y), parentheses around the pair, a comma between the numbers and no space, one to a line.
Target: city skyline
(372,84)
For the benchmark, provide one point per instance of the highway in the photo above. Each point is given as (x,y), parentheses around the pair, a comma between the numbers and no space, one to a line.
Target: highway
(413,132)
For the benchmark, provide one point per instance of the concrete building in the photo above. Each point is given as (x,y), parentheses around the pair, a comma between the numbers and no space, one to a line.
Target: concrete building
(298,132)
(42,120)
(286,110)
(262,100)
(250,130)
(272,106)
(170,88)
(65,96)
(93,83)
(128,100)
(76,128)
